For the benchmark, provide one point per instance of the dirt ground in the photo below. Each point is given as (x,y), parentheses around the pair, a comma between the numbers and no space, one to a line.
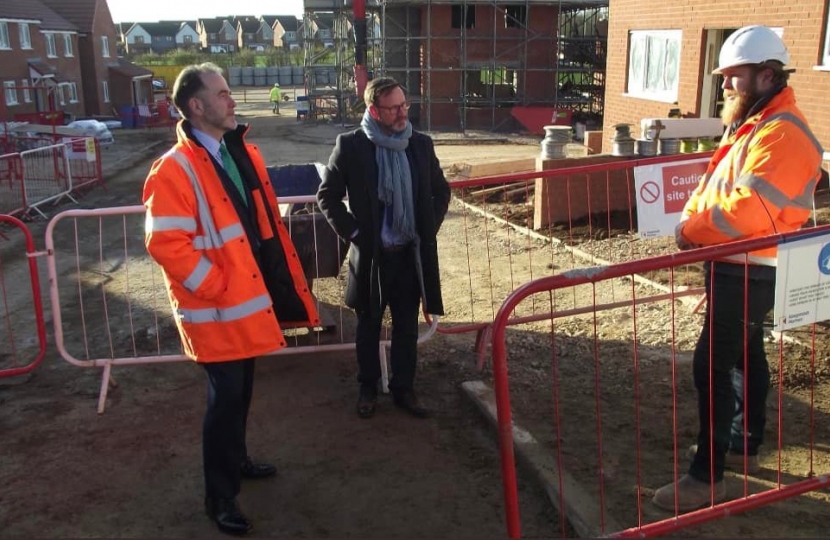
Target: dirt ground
(135,470)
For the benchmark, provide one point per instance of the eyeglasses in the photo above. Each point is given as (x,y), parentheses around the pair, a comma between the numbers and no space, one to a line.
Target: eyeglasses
(396,108)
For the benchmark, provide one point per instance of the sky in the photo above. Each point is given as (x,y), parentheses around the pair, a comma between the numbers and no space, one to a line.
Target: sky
(155,10)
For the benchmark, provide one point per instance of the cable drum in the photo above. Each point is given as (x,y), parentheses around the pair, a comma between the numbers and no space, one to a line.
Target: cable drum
(554,145)
(669,147)
(645,147)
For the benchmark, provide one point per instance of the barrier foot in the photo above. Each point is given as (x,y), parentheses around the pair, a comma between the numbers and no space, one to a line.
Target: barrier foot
(482,339)
(105,385)
(384,369)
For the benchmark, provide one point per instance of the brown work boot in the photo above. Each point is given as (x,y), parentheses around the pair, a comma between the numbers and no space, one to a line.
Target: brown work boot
(734,461)
(691,494)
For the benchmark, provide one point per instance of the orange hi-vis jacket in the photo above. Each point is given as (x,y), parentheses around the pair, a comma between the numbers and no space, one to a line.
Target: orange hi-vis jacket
(220,289)
(759,182)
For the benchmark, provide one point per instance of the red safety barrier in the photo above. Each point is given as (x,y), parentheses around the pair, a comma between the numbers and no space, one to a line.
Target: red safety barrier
(12,191)
(19,353)
(628,396)
(84,155)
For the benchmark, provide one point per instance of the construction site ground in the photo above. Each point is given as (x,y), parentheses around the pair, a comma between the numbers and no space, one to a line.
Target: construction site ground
(135,471)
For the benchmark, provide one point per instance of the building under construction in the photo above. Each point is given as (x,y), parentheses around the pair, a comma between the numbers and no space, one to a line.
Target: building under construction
(471,64)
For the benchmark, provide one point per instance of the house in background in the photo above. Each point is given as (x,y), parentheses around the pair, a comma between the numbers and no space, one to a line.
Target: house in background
(217,35)
(162,35)
(661,58)
(96,50)
(40,59)
(137,40)
(253,34)
(286,31)
(187,37)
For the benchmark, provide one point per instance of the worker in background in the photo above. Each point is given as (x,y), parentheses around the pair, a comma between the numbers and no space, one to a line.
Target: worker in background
(275,98)
(759,182)
(232,274)
(398,197)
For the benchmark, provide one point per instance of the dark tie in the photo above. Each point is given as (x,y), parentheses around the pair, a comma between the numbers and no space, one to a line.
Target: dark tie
(233,171)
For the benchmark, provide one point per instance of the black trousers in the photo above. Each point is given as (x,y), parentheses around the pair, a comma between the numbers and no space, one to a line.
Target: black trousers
(230,386)
(726,328)
(401,291)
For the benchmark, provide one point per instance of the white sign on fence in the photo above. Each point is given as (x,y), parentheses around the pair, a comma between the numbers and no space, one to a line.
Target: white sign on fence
(662,192)
(802,286)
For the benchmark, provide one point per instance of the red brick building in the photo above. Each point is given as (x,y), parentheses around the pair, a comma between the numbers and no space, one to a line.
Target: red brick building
(661,55)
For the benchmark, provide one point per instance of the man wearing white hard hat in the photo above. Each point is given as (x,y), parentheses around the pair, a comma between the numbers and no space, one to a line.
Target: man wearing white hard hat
(759,182)
(275,98)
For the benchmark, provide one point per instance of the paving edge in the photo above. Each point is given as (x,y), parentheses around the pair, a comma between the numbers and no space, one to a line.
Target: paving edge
(580,509)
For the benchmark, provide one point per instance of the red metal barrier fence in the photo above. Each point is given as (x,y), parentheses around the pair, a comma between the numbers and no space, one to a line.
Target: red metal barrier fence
(19,352)
(12,192)
(618,412)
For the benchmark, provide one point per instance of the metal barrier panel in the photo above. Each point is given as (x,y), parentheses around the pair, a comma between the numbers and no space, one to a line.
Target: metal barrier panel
(84,156)
(12,193)
(612,406)
(46,175)
(109,302)
(22,345)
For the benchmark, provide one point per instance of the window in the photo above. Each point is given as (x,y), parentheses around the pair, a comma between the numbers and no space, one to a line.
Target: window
(654,64)
(73,92)
(67,45)
(105,46)
(27,98)
(825,59)
(138,39)
(4,36)
(515,16)
(187,39)
(106,87)
(60,95)
(51,49)
(25,37)
(11,92)
(212,37)
(291,36)
(466,18)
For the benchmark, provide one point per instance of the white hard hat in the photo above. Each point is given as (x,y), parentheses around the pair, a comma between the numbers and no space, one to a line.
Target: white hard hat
(277,84)
(752,45)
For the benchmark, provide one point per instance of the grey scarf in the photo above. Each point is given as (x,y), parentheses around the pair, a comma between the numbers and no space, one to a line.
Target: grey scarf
(394,176)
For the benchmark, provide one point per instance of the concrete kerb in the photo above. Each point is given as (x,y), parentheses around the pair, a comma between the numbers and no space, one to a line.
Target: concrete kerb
(580,509)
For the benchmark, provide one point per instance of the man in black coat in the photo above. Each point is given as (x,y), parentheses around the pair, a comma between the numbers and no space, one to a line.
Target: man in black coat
(398,197)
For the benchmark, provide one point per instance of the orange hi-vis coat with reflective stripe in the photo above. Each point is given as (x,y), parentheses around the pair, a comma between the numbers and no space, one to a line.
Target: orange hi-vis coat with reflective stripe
(759,182)
(220,299)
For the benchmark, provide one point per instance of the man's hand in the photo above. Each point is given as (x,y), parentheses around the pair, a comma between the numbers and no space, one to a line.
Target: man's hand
(680,240)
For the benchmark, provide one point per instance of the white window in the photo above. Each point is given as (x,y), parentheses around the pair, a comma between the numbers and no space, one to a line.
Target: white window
(60,95)
(51,49)
(73,92)
(654,64)
(27,98)
(105,46)
(106,88)
(67,45)
(4,36)
(825,59)
(11,92)
(25,38)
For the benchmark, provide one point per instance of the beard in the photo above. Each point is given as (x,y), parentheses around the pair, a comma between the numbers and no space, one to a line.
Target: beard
(735,110)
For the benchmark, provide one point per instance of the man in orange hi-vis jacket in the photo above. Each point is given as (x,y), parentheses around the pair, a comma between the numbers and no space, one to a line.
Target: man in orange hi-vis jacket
(759,182)
(232,274)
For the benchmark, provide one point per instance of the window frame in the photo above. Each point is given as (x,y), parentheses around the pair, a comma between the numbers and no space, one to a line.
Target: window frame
(23,30)
(68,50)
(10,93)
(73,92)
(27,96)
(105,46)
(515,16)
(51,45)
(106,88)
(825,57)
(60,94)
(5,42)
(644,42)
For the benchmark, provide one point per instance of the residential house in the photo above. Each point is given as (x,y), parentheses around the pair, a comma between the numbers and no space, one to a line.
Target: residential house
(40,59)
(121,37)
(252,33)
(162,35)
(137,40)
(286,31)
(98,56)
(187,37)
(323,29)
(217,35)
(661,58)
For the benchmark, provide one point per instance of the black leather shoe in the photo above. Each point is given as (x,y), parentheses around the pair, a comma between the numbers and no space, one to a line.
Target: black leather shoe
(227,515)
(406,399)
(252,470)
(367,402)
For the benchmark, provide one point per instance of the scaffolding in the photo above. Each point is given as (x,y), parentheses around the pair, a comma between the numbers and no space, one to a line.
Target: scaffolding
(465,64)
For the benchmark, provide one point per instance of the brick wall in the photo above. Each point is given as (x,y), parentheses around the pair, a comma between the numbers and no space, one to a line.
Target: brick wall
(803,24)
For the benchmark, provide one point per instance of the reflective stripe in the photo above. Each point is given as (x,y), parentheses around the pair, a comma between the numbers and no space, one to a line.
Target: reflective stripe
(227,234)
(723,226)
(159,224)
(239,311)
(198,275)
(787,117)
(770,192)
(754,259)
(211,238)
